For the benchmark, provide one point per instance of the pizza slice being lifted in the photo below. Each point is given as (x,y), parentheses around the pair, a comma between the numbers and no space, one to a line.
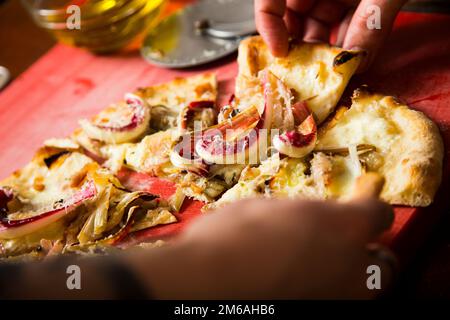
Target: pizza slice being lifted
(317,73)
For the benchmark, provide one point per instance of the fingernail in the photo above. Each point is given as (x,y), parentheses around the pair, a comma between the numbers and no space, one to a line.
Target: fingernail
(365,63)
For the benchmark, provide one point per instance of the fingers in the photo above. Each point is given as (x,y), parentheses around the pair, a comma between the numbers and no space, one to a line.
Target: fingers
(294,24)
(365,219)
(321,14)
(269,21)
(360,220)
(364,29)
(368,185)
(328,12)
(316,31)
(364,32)
(343,27)
(300,6)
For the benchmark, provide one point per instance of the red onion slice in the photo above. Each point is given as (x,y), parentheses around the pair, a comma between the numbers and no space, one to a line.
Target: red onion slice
(266,112)
(183,156)
(10,229)
(301,141)
(123,132)
(202,104)
(232,141)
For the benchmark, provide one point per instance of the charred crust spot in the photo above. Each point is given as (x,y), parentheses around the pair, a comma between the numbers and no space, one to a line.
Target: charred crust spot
(308,159)
(17,173)
(234,112)
(3,214)
(51,159)
(344,57)
(58,203)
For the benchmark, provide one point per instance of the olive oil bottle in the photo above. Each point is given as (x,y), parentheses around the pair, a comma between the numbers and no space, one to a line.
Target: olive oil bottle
(101,25)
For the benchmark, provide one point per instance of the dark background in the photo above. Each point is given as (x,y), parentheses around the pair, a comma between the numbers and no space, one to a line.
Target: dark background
(428,275)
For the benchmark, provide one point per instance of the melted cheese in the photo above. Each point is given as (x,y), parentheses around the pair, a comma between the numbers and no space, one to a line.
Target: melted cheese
(361,124)
(151,152)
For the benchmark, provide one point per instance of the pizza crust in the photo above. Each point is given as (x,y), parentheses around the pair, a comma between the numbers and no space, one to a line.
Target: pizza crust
(409,146)
(176,93)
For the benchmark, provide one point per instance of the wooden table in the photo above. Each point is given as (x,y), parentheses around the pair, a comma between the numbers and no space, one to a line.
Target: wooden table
(426,277)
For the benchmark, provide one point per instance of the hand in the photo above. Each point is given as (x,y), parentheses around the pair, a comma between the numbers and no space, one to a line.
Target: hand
(311,21)
(274,249)
(255,249)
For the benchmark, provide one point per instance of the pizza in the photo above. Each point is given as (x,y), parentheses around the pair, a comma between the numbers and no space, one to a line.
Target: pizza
(64,201)
(284,134)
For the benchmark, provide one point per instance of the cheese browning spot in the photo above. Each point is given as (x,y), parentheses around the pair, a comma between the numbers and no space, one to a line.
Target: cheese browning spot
(344,57)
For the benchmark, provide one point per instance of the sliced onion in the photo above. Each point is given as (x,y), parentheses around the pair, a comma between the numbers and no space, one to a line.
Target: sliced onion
(301,141)
(183,156)
(231,141)
(300,112)
(136,126)
(269,100)
(356,165)
(10,229)
(277,112)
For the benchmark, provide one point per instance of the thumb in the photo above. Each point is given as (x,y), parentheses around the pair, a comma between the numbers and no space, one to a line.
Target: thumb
(370,26)
(362,221)
(269,21)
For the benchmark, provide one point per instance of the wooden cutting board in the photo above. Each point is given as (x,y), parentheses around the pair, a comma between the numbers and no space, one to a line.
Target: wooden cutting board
(67,84)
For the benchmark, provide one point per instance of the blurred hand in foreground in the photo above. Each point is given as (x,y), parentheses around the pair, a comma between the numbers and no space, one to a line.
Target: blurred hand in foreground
(276,249)
(255,249)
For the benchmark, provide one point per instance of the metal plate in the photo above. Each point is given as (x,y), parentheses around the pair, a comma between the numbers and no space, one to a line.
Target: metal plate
(177,43)
(4,77)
